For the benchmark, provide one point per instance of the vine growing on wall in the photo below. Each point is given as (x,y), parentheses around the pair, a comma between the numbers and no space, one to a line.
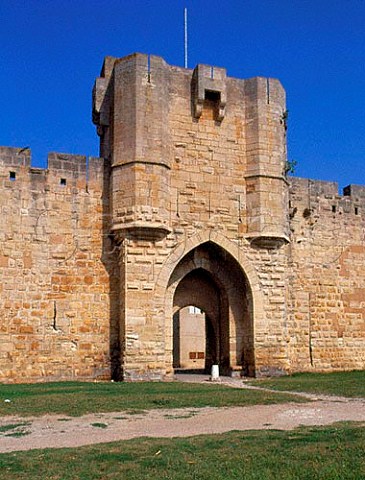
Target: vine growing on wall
(289,168)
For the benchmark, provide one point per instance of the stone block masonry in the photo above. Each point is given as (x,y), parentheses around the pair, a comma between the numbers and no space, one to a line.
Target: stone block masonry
(188,206)
(328,275)
(55,290)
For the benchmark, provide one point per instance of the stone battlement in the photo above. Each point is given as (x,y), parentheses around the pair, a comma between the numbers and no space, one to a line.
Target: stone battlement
(321,187)
(62,169)
(324,197)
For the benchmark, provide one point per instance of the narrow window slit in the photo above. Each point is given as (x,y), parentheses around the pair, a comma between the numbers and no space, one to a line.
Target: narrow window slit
(149,68)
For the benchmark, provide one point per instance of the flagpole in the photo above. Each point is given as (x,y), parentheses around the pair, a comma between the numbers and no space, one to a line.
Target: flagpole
(186,37)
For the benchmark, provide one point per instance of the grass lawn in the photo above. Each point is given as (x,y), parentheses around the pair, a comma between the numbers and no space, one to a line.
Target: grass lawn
(331,453)
(78,398)
(347,384)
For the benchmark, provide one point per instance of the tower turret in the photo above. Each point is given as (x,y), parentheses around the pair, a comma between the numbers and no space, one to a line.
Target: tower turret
(266,185)
(130,113)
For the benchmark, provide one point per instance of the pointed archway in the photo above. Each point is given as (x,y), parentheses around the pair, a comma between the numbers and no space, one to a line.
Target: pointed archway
(209,278)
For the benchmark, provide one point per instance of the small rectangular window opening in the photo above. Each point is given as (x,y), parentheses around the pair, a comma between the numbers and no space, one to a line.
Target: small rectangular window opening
(63,181)
(333,208)
(12,176)
(212,96)
(212,101)
(356,210)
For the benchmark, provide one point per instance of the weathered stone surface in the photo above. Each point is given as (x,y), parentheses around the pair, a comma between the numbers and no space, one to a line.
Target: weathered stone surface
(189,205)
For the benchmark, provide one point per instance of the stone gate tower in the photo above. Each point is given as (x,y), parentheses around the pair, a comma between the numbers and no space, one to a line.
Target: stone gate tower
(198,212)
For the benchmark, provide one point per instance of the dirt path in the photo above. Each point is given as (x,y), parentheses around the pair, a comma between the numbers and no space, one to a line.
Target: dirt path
(52,431)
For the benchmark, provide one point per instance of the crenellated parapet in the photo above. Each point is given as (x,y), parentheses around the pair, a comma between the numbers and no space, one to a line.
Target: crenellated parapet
(318,199)
(63,171)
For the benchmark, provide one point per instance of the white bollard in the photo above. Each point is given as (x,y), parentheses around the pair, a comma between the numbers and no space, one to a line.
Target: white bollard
(214,376)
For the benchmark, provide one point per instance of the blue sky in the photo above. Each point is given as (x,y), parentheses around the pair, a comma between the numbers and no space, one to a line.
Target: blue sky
(52,50)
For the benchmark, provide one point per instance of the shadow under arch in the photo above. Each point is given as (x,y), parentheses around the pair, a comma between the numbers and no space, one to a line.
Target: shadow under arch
(209,277)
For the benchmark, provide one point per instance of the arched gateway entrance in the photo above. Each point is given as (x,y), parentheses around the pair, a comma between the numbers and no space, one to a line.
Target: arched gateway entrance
(210,279)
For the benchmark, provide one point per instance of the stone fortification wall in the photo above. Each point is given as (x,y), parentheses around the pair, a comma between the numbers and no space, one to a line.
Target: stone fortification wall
(190,205)
(327,286)
(55,305)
